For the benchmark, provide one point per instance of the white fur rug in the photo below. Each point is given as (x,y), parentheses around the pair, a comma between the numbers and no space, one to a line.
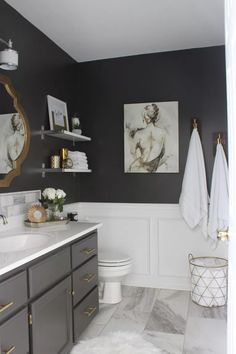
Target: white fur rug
(116,343)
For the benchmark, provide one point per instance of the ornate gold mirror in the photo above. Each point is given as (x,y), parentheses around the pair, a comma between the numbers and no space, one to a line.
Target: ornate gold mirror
(14,132)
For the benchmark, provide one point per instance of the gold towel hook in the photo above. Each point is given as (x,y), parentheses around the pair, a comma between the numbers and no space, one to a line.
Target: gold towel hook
(195,123)
(219,140)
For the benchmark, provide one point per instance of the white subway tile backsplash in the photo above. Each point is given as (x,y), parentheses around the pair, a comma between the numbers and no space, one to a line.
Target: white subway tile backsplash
(17,203)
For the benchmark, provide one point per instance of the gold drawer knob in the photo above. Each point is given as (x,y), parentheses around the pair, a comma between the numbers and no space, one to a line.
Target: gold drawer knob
(89,277)
(88,251)
(9,351)
(90,310)
(5,307)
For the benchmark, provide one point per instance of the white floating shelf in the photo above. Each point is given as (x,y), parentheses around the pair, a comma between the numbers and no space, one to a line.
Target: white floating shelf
(63,170)
(64,134)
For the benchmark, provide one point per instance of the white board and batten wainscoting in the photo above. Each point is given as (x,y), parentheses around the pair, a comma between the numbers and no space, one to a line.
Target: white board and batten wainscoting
(155,236)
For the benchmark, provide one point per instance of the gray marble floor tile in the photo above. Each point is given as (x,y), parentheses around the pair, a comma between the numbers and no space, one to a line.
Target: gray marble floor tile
(213,312)
(169,312)
(142,300)
(105,313)
(129,291)
(126,324)
(169,343)
(93,330)
(205,336)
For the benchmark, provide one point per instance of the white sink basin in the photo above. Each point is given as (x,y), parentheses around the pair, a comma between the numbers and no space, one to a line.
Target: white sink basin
(22,242)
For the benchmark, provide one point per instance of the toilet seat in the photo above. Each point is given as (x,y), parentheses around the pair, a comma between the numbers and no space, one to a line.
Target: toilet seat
(113,259)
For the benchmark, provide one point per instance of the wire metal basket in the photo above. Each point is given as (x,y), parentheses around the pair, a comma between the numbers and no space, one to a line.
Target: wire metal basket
(209,280)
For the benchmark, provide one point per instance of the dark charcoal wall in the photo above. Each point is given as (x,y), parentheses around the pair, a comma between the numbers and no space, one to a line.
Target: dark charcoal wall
(195,78)
(43,69)
(98,90)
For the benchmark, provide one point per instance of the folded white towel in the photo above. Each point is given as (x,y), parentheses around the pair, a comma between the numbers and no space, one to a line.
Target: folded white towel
(193,200)
(219,200)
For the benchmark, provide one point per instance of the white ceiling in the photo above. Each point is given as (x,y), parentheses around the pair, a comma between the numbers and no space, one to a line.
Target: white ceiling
(98,29)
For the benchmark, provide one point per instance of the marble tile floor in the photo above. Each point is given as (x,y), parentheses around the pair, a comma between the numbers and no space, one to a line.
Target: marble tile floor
(166,318)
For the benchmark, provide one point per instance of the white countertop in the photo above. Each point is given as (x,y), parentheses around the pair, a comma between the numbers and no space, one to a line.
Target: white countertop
(58,236)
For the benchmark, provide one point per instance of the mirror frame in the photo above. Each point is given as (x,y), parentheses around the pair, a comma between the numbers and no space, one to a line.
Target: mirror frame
(6,82)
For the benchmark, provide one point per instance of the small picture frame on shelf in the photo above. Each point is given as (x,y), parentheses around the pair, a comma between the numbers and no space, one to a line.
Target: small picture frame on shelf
(58,117)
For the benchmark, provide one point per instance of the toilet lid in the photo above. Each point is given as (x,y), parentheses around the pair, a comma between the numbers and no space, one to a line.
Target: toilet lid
(112,257)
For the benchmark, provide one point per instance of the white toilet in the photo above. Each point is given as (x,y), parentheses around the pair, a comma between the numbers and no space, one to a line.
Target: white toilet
(112,268)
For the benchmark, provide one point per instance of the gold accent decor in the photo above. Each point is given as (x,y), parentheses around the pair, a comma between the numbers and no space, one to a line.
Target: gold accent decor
(37,214)
(223,235)
(64,153)
(46,223)
(194,122)
(9,351)
(5,307)
(219,140)
(89,277)
(90,310)
(6,82)
(88,251)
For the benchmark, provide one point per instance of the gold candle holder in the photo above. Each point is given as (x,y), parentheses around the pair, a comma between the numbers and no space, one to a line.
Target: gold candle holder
(64,153)
(55,161)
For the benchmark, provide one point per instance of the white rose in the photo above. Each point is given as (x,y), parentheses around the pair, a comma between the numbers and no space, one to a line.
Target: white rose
(60,193)
(49,193)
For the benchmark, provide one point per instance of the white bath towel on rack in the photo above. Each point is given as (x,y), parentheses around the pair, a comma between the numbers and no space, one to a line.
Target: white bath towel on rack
(219,199)
(194,197)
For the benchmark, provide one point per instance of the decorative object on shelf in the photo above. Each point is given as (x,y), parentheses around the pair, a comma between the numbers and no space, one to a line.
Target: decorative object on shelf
(14,133)
(75,124)
(61,221)
(37,214)
(151,141)
(66,162)
(53,200)
(55,161)
(79,160)
(8,56)
(58,117)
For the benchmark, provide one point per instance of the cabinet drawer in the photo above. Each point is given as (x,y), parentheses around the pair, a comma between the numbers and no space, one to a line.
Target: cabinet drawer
(83,250)
(84,279)
(14,336)
(13,294)
(47,272)
(85,312)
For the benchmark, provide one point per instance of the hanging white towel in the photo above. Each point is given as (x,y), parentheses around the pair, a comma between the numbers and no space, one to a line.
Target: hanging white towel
(219,199)
(194,198)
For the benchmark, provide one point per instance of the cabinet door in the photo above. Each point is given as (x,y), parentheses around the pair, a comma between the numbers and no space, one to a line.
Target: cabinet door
(14,336)
(52,320)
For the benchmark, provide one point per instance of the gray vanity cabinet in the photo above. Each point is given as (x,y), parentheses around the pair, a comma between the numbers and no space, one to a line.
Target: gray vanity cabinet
(14,337)
(52,320)
(48,304)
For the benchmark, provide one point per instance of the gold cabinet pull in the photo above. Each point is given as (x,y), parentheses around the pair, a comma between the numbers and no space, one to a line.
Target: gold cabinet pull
(5,307)
(72,292)
(90,310)
(9,351)
(88,251)
(89,277)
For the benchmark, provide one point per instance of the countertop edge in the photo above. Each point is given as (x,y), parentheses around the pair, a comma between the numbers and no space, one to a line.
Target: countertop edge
(46,250)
